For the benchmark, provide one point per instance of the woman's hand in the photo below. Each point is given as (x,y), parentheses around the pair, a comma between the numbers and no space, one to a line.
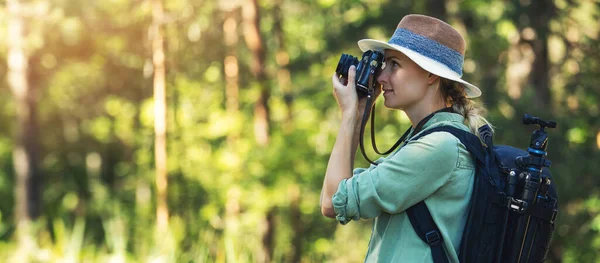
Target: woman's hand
(345,95)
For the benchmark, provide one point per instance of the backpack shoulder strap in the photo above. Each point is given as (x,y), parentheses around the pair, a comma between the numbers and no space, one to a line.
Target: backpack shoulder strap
(469,140)
(427,230)
(419,215)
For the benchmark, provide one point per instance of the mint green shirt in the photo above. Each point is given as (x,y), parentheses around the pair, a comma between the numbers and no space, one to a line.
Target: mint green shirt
(436,168)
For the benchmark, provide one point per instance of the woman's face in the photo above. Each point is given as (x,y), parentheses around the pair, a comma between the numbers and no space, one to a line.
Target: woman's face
(403,82)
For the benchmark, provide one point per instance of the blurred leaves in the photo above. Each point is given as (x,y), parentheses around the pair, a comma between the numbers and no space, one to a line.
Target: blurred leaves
(90,66)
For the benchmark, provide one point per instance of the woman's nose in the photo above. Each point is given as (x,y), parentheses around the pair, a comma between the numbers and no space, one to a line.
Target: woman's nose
(382,78)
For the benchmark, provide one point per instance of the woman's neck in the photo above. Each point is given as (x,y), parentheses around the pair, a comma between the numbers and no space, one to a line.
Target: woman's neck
(422,109)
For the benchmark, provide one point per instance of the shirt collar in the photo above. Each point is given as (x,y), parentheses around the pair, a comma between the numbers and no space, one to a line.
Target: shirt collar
(440,118)
(443,117)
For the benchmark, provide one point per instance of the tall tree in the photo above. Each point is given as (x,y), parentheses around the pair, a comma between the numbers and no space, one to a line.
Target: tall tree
(230,37)
(255,43)
(285,86)
(26,149)
(540,13)
(283,60)
(528,56)
(160,115)
(230,10)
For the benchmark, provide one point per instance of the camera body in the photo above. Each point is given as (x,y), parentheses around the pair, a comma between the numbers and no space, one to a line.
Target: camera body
(367,70)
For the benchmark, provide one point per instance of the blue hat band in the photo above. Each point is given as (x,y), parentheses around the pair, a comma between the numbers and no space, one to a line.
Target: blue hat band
(429,48)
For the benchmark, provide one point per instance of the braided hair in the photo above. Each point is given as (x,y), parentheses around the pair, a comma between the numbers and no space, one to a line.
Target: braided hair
(455,94)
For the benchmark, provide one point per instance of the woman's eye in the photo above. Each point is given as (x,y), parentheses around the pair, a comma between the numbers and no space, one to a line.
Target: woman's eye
(391,63)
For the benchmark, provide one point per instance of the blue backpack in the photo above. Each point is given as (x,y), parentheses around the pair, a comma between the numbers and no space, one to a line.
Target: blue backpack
(513,208)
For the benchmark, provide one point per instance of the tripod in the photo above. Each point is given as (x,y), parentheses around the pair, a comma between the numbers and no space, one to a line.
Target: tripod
(535,188)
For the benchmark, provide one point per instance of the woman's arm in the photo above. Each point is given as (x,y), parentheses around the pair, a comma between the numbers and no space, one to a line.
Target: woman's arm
(340,162)
(417,171)
(342,156)
(356,136)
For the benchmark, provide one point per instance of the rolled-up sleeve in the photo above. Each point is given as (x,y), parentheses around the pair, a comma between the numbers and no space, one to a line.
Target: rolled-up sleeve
(415,172)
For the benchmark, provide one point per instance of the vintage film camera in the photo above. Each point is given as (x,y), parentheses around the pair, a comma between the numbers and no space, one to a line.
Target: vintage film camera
(367,70)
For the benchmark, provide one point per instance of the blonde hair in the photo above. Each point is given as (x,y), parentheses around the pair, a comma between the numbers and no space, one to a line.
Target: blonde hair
(454,93)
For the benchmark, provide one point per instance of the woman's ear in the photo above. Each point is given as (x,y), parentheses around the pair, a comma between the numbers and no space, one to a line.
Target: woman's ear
(432,78)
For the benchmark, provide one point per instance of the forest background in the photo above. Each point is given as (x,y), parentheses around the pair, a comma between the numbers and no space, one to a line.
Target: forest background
(199,131)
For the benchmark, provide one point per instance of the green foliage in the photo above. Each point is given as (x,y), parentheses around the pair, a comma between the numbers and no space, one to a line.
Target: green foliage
(90,66)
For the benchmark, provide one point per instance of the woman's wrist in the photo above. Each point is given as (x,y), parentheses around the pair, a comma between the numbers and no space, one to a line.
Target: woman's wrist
(350,113)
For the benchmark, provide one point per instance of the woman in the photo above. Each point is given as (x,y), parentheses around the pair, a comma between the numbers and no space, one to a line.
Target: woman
(422,77)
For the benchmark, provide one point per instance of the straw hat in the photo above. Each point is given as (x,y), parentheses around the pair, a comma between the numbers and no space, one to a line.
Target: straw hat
(431,43)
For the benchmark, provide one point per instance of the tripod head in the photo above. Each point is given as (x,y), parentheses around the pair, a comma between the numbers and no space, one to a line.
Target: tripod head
(536,160)
(539,139)
(528,119)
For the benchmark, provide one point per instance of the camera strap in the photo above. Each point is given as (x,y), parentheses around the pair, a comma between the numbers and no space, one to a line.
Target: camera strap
(402,138)
(369,109)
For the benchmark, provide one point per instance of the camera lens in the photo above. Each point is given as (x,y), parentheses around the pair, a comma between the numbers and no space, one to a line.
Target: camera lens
(344,64)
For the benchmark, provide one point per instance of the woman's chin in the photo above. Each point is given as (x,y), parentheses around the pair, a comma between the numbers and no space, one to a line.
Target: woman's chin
(391,105)
(387,102)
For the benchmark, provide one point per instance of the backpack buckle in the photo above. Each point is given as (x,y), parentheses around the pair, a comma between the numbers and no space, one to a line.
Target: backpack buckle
(433,237)
(517,205)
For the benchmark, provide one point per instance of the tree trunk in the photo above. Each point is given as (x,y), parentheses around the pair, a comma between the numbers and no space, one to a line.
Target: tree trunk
(296,219)
(231,68)
(540,14)
(160,116)
(268,243)
(528,57)
(255,44)
(25,153)
(283,59)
